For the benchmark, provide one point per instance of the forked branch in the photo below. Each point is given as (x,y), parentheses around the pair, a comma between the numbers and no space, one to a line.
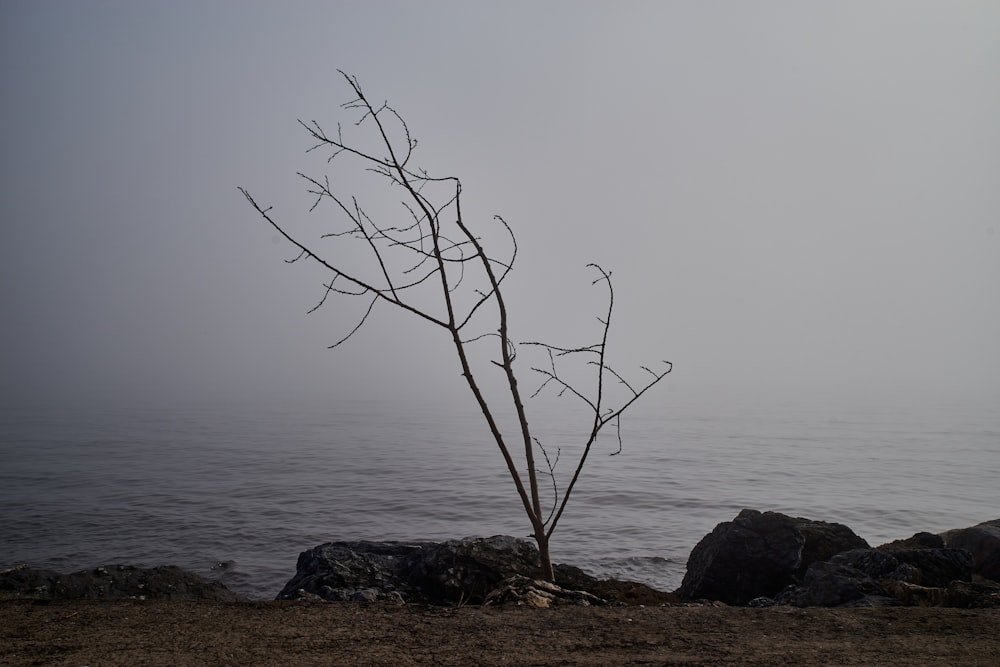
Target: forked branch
(595,355)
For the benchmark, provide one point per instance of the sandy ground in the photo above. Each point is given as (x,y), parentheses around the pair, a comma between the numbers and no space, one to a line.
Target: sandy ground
(136,632)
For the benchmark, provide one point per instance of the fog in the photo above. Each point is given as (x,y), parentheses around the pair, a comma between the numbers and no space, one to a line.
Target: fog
(798,200)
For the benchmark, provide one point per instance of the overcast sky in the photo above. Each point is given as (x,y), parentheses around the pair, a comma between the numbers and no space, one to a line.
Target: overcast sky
(798,200)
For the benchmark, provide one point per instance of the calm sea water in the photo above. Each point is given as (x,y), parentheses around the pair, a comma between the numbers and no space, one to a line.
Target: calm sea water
(256,487)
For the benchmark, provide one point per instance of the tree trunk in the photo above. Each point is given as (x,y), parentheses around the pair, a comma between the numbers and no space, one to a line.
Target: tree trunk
(544,557)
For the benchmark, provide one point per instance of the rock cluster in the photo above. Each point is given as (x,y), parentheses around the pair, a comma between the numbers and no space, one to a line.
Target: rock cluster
(463,571)
(757,559)
(765,558)
(759,554)
(111,582)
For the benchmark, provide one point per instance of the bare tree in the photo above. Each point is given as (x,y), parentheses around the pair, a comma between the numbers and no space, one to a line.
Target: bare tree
(431,264)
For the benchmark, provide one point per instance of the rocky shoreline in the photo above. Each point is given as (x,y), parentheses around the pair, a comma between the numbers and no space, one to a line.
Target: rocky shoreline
(758,559)
(928,600)
(767,558)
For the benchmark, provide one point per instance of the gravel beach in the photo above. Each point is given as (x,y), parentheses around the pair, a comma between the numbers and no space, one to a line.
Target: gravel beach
(181,633)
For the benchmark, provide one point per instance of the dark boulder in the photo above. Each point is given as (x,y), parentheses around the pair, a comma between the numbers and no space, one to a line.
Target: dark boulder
(112,582)
(751,556)
(456,571)
(876,577)
(917,541)
(933,568)
(762,558)
(848,579)
(758,554)
(824,540)
(359,570)
(834,585)
(983,542)
(467,570)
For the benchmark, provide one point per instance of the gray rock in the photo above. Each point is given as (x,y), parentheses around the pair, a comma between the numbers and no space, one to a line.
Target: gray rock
(753,555)
(824,540)
(761,602)
(933,568)
(112,582)
(876,577)
(759,554)
(920,540)
(870,562)
(338,571)
(828,584)
(366,595)
(456,571)
(467,570)
(983,542)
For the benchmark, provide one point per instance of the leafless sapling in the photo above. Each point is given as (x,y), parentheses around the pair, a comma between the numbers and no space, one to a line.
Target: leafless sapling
(432,264)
